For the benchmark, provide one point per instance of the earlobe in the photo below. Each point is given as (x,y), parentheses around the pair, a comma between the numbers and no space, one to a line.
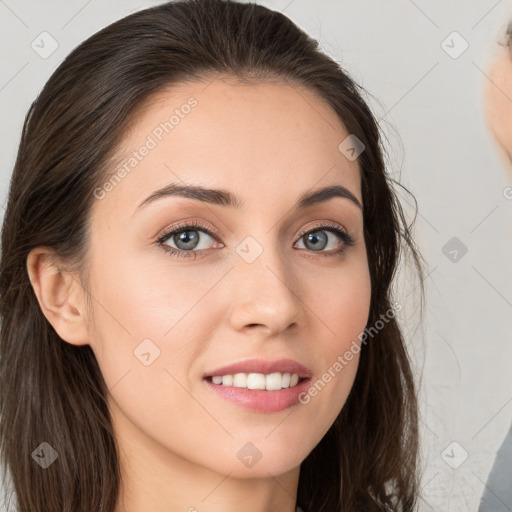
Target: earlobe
(60,296)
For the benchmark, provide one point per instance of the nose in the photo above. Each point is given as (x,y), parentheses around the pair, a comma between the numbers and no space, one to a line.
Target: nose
(266,295)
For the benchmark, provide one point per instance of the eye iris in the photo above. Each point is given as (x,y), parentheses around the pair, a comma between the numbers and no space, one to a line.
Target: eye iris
(189,241)
(314,237)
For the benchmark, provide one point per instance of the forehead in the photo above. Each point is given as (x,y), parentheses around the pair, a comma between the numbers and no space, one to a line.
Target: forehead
(270,140)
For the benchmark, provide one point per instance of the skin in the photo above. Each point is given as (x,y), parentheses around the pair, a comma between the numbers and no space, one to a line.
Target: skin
(269,144)
(498,102)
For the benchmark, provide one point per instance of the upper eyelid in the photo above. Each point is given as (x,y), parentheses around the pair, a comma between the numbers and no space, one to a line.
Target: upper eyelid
(322,225)
(167,233)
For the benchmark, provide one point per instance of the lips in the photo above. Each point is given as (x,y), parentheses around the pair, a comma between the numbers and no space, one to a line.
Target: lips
(264,366)
(259,400)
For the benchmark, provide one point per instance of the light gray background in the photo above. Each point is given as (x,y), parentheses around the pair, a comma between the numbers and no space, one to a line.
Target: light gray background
(430,105)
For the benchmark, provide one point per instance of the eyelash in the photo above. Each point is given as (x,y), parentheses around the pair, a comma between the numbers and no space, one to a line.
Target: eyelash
(348,241)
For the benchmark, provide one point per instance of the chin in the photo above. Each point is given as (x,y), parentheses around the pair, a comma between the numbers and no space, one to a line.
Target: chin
(255,460)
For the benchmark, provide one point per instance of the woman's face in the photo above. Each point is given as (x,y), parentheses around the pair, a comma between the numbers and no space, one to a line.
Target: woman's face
(255,288)
(498,101)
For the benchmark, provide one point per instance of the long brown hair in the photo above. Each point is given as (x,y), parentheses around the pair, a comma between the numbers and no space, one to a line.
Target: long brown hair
(54,392)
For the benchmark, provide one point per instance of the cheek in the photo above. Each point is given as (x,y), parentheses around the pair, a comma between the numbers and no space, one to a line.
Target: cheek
(341,305)
(341,301)
(151,325)
(137,299)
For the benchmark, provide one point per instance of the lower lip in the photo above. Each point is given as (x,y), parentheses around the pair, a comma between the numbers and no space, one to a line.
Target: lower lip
(260,399)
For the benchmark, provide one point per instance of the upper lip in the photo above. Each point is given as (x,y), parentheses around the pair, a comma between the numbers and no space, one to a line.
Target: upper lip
(263,366)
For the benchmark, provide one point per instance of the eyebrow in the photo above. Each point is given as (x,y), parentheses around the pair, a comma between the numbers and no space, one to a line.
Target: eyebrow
(226,198)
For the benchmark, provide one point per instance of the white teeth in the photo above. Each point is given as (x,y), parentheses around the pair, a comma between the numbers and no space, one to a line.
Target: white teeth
(274,381)
(256,381)
(227,380)
(270,382)
(240,380)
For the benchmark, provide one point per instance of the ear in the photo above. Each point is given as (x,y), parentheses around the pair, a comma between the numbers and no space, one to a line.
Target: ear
(60,295)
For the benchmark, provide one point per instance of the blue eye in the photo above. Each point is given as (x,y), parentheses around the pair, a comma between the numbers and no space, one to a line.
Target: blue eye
(187,238)
(318,239)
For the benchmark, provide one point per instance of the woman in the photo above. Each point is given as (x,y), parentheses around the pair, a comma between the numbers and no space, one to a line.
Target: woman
(197,259)
(497,495)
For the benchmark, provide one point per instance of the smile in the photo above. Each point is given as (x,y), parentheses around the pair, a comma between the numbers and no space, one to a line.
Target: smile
(270,382)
